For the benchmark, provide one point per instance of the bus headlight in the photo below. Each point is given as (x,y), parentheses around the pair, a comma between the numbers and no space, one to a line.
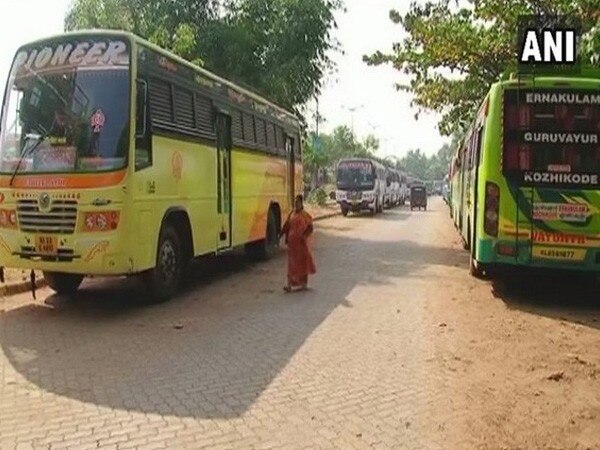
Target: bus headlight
(8,218)
(101,221)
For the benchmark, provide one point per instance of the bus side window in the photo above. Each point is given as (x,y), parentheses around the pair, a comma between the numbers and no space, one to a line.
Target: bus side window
(143,140)
(478,145)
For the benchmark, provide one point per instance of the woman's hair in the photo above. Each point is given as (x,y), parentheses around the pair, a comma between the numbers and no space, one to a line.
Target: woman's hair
(299,197)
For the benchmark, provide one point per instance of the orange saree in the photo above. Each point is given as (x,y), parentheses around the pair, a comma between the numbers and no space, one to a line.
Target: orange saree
(298,229)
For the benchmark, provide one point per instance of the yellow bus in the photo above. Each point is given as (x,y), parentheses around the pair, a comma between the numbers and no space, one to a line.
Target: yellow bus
(117,157)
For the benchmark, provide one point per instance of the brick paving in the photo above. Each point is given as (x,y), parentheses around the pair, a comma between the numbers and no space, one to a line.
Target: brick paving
(231,363)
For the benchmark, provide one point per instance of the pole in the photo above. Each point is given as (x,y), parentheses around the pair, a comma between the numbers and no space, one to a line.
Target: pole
(318,117)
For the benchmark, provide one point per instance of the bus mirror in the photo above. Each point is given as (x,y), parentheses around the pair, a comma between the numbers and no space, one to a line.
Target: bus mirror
(142,108)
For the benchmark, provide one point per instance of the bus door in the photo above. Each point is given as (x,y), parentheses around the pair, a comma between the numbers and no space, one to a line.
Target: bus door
(291,168)
(223,131)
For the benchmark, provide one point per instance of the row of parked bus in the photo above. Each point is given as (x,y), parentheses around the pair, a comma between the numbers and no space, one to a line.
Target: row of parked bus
(525,181)
(364,184)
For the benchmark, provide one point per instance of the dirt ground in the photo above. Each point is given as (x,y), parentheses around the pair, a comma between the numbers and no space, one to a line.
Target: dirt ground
(523,355)
(12,276)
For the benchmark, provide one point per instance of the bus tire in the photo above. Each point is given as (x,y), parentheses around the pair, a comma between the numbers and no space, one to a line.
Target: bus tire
(63,283)
(265,248)
(344,212)
(164,280)
(476,270)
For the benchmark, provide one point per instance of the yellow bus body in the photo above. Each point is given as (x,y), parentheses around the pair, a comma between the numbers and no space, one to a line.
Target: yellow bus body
(182,178)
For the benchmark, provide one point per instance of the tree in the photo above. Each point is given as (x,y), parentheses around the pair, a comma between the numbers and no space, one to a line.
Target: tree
(415,163)
(453,54)
(278,47)
(435,167)
(371,143)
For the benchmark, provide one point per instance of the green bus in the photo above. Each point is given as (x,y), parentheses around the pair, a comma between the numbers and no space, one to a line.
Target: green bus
(526,177)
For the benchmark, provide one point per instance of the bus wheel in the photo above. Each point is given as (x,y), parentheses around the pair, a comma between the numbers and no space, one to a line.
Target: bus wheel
(476,270)
(63,283)
(164,280)
(265,248)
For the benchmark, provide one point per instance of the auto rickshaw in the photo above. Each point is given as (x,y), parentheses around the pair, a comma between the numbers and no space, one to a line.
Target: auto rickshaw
(418,197)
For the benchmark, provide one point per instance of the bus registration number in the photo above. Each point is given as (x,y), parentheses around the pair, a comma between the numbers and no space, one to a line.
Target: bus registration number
(46,245)
(559,253)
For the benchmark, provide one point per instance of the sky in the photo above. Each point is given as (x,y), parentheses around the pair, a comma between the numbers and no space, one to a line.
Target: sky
(362,29)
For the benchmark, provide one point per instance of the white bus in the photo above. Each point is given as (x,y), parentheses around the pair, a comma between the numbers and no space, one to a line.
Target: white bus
(404,188)
(361,185)
(394,192)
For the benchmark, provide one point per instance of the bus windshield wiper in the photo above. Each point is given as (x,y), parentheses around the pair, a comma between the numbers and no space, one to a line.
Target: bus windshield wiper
(25,153)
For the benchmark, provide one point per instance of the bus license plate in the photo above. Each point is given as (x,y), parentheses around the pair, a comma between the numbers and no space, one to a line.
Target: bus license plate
(46,245)
(562,254)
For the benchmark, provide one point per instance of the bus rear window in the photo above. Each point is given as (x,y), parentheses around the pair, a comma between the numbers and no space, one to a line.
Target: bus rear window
(551,131)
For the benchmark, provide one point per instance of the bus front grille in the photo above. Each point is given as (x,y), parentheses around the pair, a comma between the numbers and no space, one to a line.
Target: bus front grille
(59,219)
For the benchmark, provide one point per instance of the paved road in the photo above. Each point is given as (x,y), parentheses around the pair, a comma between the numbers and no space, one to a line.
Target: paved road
(395,347)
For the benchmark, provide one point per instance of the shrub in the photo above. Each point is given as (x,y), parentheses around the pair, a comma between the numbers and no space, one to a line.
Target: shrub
(318,196)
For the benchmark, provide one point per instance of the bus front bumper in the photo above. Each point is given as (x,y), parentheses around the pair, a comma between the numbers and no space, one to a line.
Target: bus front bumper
(355,206)
(85,254)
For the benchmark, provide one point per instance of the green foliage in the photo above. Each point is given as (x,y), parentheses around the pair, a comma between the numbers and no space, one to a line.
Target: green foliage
(416,163)
(452,54)
(318,196)
(341,143)
(278,47)
(435,167)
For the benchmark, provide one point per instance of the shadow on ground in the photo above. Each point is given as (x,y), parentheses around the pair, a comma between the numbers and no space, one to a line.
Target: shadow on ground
(212,351)
(558,295)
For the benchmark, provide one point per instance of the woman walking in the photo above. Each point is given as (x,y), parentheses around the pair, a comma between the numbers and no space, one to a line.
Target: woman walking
(297,230)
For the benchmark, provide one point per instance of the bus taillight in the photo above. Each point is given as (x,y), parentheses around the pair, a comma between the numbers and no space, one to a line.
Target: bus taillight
(492,209)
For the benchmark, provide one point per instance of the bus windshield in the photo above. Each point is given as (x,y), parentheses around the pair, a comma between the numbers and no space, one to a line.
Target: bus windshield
(552,136)
(355,175)
(67,109)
